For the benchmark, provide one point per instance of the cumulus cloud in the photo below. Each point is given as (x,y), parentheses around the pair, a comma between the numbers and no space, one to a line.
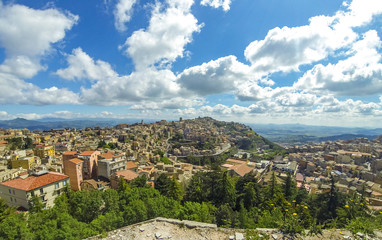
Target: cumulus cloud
(225,4)
(122,14)
(16,91)
(170,29)
(82,66)
(173,103)
(152,84)
(27,34)
(286,49)
(218,76)
(358,75)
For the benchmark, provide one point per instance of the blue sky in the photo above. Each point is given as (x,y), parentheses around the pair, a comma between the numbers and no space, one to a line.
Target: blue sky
(254,61)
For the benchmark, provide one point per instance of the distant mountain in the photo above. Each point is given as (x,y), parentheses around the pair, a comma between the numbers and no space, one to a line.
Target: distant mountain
(54,123)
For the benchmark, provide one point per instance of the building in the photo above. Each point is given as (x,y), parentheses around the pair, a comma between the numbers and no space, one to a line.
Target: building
(28,162)
(91,185)
(126,174)
(43,151)
(73,168)
(46,185)
(90,164)
(109,164)
(69,155)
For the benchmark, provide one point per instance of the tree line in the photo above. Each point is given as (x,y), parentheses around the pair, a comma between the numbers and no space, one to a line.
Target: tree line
(211,197)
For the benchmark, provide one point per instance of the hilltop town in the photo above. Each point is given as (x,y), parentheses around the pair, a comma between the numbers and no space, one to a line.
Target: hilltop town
(96,158)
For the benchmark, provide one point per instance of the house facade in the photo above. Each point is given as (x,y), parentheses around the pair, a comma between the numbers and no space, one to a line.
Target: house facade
(46,185)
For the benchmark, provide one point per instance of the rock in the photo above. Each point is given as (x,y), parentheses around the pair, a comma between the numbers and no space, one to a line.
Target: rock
(231,237)
(158,235)
(274,236)
(360,234)
(148,235)
(141,229)
(347,237)
(239,236)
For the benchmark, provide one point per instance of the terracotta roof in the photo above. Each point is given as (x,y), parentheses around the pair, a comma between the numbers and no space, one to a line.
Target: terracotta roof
(236,161)
(33,182)
(131,164)
(91,182)
(69,152)
(87,153)
(226,165)
(299,177)
(241,169)
(107,155)
(127,174)
(75,160)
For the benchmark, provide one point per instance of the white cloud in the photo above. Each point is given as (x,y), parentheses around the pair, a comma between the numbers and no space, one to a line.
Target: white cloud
(27,34)
(225,4)
(286,49)
(16,91)
(358,75)
(82,66)
(150,85)
(165,38)
(122,14)
(173,103)
(218,76)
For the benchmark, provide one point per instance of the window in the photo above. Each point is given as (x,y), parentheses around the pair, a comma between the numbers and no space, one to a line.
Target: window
(41,190)
(15,200)
(10,192)
(64,182)
(11,199)
(57,185)
(59,192)
(42,198)
(14,192)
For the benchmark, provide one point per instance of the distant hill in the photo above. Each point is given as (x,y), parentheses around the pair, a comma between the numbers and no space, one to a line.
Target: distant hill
(300,134)
(54,123)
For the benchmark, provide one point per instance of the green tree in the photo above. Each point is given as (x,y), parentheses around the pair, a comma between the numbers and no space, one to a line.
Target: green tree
(224,191)
(5,210)
(86,205)
(194,191)
(175,192)
(140,181)
(274,189)
(225,216)
(163,184)
(289,187)
(15,227)
(35,205)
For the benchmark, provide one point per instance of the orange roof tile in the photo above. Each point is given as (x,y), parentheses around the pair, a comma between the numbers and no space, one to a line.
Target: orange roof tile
(236,161)
(127,174)
(69,153)
(87,153)
(33,182)
(130,165)
(75,160)
(241,169)
(107,155)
